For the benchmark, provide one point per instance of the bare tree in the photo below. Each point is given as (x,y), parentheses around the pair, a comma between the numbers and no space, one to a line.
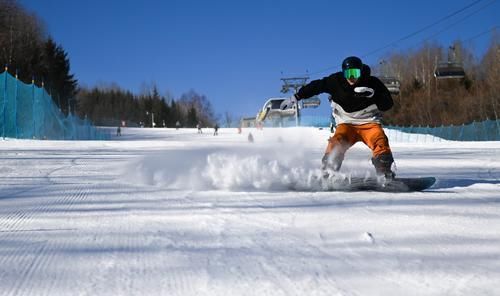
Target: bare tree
(491,66)
(22,35)
(194,103)
(228,119)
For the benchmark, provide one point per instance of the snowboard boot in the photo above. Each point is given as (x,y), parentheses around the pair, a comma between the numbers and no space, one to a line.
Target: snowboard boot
(331,164)
(383,164)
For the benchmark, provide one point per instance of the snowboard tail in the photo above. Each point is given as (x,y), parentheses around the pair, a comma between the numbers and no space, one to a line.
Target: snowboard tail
(373,184)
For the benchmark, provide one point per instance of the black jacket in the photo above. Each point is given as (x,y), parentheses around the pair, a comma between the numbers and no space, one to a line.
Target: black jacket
(343,93)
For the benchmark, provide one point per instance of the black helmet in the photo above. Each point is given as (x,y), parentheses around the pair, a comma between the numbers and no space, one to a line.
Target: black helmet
(366,70)
(352,63)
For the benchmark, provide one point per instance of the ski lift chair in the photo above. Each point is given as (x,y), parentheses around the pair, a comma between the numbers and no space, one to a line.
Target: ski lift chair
(449,70)
(273,109)
(387,78)
(313,102)
(392,84)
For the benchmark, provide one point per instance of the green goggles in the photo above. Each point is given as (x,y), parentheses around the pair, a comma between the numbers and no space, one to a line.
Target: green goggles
(352,73)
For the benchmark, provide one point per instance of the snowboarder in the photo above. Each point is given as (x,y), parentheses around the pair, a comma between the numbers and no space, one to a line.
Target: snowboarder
(216,129)
(118,131)
(358,100)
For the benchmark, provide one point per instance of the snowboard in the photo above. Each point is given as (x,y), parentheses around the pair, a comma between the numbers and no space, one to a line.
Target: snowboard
(374,184)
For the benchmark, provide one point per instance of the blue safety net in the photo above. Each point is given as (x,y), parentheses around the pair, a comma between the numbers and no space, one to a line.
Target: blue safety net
(488,130)
(28,112)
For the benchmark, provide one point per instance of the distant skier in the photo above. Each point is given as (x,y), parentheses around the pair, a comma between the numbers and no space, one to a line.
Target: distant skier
(118,131)
(358,100)
(177,125)
(198,126)
(250,137)
(216,129)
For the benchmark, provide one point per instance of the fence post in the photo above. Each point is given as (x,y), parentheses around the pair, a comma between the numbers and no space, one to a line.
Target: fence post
(4,100)
(33,106)
(42,112)
(15,104)
(485,129)
(497,134)
(461,134)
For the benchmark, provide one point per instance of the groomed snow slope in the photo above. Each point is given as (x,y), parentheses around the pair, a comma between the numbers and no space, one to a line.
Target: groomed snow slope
(167,212)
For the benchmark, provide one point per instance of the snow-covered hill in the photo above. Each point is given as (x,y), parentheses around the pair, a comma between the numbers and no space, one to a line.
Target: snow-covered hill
(172,212)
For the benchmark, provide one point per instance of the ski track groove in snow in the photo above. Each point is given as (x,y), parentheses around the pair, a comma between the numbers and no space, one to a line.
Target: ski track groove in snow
(35,257)
(296,245)
(27,269)
(32,259)
(272,266)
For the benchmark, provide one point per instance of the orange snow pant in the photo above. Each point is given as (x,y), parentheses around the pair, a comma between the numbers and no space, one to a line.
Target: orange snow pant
(347,135)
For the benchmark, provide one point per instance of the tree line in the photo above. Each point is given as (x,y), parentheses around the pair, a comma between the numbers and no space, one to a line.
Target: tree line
(111,105)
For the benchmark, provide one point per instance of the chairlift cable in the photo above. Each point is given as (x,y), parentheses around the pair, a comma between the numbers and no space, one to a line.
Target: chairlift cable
(482,33)
(455,23)
(411,34)
(425,28)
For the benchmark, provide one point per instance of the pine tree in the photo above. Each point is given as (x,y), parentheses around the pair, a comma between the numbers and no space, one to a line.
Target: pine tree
(58,81)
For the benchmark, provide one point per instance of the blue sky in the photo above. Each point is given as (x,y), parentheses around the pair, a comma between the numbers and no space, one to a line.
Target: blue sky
(235,52)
